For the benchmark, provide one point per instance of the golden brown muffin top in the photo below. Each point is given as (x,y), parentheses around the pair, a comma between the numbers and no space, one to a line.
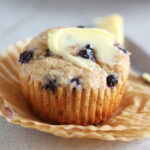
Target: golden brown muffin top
(39,63)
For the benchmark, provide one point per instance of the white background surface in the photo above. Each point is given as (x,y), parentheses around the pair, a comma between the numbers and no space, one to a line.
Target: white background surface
(25,18)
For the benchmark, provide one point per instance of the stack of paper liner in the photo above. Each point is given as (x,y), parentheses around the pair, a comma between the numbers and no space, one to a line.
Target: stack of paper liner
(132,120)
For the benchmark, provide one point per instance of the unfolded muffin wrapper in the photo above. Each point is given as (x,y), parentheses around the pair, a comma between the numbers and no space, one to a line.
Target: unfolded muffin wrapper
(131,121)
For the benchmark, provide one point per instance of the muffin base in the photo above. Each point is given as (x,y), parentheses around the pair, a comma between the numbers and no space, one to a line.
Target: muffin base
(69,105)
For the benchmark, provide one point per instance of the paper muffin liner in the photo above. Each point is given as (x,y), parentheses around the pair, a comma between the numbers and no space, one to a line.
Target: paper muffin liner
(69,105)
(131,121)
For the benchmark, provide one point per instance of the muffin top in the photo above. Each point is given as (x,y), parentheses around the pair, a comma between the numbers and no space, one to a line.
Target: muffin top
(75,57)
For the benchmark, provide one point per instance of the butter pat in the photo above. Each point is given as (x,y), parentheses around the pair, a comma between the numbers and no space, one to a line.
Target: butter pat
(61,39)
(146,77)
(113,24)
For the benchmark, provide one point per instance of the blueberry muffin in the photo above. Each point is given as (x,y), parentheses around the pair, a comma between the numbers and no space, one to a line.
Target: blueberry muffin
(73,75)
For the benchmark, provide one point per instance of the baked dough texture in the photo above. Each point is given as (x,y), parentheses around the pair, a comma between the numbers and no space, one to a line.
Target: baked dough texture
(60,92)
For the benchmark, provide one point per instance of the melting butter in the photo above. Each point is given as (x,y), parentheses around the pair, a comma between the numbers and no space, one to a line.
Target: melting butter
(113,24)
(146,76)
(61,39)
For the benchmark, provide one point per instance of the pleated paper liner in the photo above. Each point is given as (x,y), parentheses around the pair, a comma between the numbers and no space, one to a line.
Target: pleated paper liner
(67,105)
(132,120)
